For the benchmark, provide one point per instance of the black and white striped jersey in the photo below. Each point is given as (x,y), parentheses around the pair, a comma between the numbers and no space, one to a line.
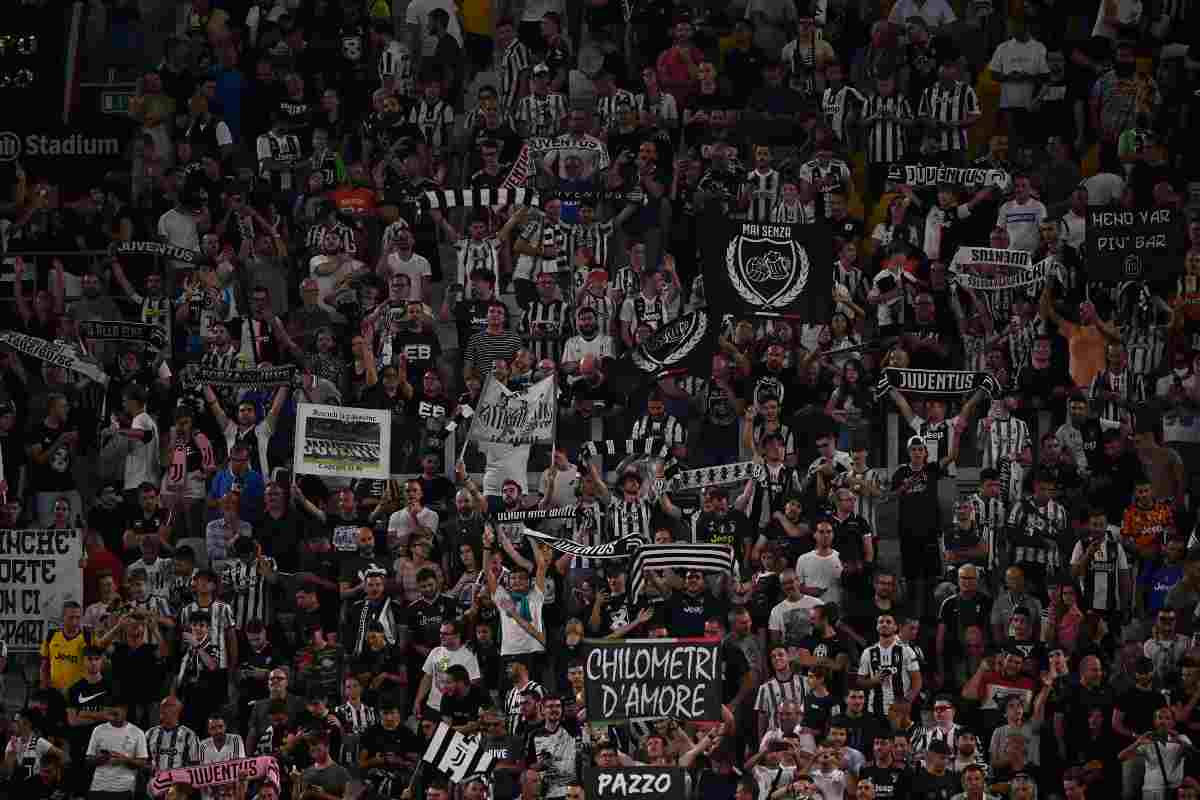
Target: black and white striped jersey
(472,255)
(886,138)
(826,178)
(542,115)
(639,309)
(248,592)
(221,620)
(629,518)
(668,429)
(836,102)
(172,748)
(435,119)
(608,107)
(396,64)
(764,190)
(511,64)
(952,105)
(1125,384)
(594,237)
(549,320)
(1005,438)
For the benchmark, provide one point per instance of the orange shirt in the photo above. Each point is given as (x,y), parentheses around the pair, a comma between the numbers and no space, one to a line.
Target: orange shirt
(1086,346)
(1148,527)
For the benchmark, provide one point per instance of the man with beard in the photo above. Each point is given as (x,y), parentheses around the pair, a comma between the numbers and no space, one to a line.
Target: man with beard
(1081,434)
(1042,383)
(771,378)
(423,619)
(588,341)
(462,700)
(934,781)
(553,748)
(375,607)
(685,612)
(1036,526)
(439,668)
(724,526)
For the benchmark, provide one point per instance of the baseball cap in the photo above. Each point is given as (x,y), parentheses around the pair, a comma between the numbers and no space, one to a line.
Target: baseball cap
(915,441)
(7,407)
(541,69)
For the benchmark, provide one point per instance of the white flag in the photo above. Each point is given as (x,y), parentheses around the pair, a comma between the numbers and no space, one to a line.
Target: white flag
(526,416)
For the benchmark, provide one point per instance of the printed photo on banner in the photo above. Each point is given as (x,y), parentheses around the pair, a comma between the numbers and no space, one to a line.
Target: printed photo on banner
(39,572)
(637,679)
(1137,244)
(333,441)
(615,783)
(767,269)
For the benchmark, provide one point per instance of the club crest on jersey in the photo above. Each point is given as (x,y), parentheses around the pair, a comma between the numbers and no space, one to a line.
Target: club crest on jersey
(671,343)
(767,268)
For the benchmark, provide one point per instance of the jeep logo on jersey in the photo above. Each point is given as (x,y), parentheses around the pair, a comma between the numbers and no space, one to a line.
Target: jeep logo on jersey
(13,146)
(671,343)
(766,268)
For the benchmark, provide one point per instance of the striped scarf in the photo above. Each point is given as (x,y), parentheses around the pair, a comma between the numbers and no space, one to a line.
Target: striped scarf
(711,476)
(650,448)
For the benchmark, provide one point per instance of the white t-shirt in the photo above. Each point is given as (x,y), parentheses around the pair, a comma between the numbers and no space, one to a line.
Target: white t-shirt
(513,638)
(1013,56)
(415,267)
(141,464)
(1021,220)
(402,523)
(1104,189)
(28,753)
(600,346)
(128,740)
(790,619)
(438,662)
(504,462)
(821,572)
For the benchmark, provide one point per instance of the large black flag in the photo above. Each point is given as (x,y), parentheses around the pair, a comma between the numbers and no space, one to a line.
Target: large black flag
(685,345)
(768,268)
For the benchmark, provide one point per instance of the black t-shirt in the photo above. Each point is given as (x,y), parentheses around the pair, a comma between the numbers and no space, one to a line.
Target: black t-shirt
(890,782)
(686,614)
(425,617)
(732,529)
(918,491)
(87,696)
(927,786)
(55,475)
(461,710)
(379,741)
(1139,706)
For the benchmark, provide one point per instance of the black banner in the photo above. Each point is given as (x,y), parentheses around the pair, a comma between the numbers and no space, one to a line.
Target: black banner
(767,268)
(929,176)
(939,382)
(683,346)
(652,679)
(618,783)
(1138,244)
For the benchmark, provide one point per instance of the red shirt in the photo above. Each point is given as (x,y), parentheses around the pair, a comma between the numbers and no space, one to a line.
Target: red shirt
(99,559)
(674,75)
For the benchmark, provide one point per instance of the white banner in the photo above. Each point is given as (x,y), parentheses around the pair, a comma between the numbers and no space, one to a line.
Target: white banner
(39,571)
(990,256)
(339,441)
(516,417)
(59,354)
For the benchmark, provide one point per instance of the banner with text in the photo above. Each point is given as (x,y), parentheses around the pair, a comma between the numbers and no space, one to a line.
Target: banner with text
(937,174)
(767,269)
(516,417)
(634,679)
(337,441)
(39,571)
(622,783)
(1139,244)
(941,382)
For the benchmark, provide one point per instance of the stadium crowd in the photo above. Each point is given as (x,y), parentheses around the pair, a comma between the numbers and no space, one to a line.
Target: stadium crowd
(1006,610)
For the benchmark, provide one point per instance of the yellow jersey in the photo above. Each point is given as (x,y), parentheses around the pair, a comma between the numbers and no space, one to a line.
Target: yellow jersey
(66,657)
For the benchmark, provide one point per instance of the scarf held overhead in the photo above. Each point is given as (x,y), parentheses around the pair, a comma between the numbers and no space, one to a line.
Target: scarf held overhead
(150,333)
(624,547)
(943,382)
(959,176)
(221,773)
(149,248)
(59,354)
(253,379)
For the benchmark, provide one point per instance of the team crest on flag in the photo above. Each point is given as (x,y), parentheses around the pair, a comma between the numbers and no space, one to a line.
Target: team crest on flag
(767,271)
(671,343)
(456,755)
